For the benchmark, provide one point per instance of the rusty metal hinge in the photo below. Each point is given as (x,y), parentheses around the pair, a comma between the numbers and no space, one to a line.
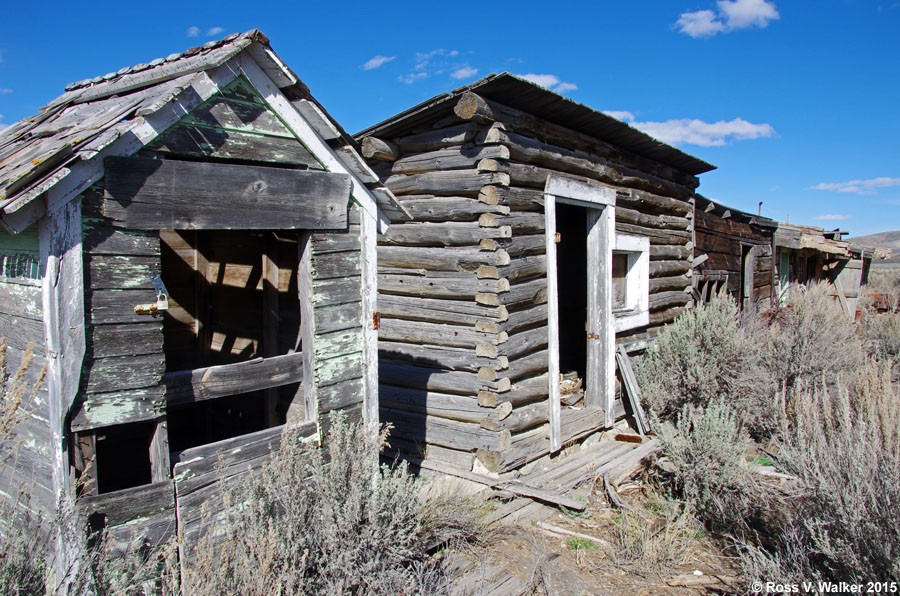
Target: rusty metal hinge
(593,336)
(557,237)
(376,320)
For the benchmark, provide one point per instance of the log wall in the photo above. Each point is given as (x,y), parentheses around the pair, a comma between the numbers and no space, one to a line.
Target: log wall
(463,287)
(723,240)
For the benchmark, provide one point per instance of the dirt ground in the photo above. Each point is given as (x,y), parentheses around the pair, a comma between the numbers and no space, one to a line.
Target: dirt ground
(651,547)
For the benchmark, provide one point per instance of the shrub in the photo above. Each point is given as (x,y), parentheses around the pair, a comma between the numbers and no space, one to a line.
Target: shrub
(654,536)
(704,355)
(843,445)
(812,340)
(703,464)
(327,521)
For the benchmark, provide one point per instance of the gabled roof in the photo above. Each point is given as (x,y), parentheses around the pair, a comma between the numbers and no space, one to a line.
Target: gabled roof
(58,152)
(512,91)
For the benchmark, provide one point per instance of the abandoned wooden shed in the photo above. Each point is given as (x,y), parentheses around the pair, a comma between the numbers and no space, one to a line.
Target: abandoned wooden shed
(807,254)
(189,245)
(543,233)
(733,254)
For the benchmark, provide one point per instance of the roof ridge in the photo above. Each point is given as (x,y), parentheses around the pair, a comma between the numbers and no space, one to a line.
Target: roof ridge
(253,34)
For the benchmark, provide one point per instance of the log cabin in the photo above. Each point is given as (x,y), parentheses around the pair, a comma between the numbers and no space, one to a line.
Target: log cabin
(733,254)
(542,234)
(188,248)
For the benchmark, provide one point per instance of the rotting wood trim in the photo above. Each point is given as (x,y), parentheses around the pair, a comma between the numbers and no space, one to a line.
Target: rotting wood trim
(189,386)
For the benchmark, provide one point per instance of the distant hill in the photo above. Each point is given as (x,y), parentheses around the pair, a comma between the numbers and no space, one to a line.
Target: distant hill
(883,240)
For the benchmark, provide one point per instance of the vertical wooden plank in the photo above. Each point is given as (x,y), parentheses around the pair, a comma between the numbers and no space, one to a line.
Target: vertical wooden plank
(369,242)
(552,321)
(597,269)
(63,304)
(308,410)
(159,452)
(607,230)
(201,297)
(270,317)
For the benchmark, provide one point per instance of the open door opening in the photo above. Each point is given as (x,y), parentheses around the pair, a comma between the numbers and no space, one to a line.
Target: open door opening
(233,299)
(572,290)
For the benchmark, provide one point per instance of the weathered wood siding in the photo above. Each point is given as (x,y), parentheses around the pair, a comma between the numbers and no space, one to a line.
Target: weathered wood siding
(25,471)
(724,241)
(463,287)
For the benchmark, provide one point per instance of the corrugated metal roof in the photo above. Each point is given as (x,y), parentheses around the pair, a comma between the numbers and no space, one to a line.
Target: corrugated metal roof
(512,91)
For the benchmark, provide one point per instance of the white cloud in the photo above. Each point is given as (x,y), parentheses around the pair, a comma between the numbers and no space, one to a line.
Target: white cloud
(729,16)
(550,81)
(831,217)
(214,31)
(706,134)
(464,73)
(5,91)
(860,187)
(192,31)
(412,77)
(376,62)
(620,114)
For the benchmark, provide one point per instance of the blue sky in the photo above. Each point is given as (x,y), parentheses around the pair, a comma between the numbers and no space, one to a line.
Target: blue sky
(797,103)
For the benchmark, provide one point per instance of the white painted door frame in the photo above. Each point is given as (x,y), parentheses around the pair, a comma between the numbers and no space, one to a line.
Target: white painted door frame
(601,355)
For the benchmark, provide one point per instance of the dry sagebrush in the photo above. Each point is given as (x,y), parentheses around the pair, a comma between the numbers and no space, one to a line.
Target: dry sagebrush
(327,521)
(843,445)
(704,355)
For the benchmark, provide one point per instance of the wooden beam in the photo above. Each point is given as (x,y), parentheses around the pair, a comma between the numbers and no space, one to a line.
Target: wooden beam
(169,194)
(189,386)
(552,321)
(632,390)
(375,148)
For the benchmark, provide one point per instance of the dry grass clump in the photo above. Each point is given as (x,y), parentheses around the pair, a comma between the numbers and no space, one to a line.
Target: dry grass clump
(812,340)
(704,355)
(328,521)
(843,446)
(14,394)
(654,536)
(881,330)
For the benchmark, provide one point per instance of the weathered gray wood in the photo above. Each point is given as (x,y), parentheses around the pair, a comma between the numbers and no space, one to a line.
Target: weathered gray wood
(441,234)
(448,158)
(526,318)
(446,183)
(447,358)
(435,139)
(332,369)
(528,365)
(662,252)
(124,372)
(632,389)
(514,198)
(337,317)
(375,148)
(102,239)
(662,300)
(336,265)
(334,291)
(644,201)
(167,194)
(665,316)
(441,209)
(520,419)
(336,241)
(669,268)
(526,293)
(124,506)
(444,405)
(453,434)
(21,300)
(436,380)
(159,452)
(523,342)
(454,312)
(345,395)
(664,222)
(104,341)
(448,259)
(20,332)
(420,332)
(522,269)
(190,386)
(463,286)
(99,410)
(677,282)
(117,306)
(656,236)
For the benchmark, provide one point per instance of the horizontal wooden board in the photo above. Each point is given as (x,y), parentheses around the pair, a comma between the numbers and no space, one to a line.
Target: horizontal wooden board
(119,407)
(168,194)
(123,372)
(20,332)
(103,239)
(338,317)
(20,300)
(341,395)
(104,341)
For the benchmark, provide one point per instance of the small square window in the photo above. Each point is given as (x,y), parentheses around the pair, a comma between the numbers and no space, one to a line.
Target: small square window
(631,281)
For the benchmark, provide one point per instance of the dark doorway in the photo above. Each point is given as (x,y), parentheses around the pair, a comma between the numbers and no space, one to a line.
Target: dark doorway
(572,263)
